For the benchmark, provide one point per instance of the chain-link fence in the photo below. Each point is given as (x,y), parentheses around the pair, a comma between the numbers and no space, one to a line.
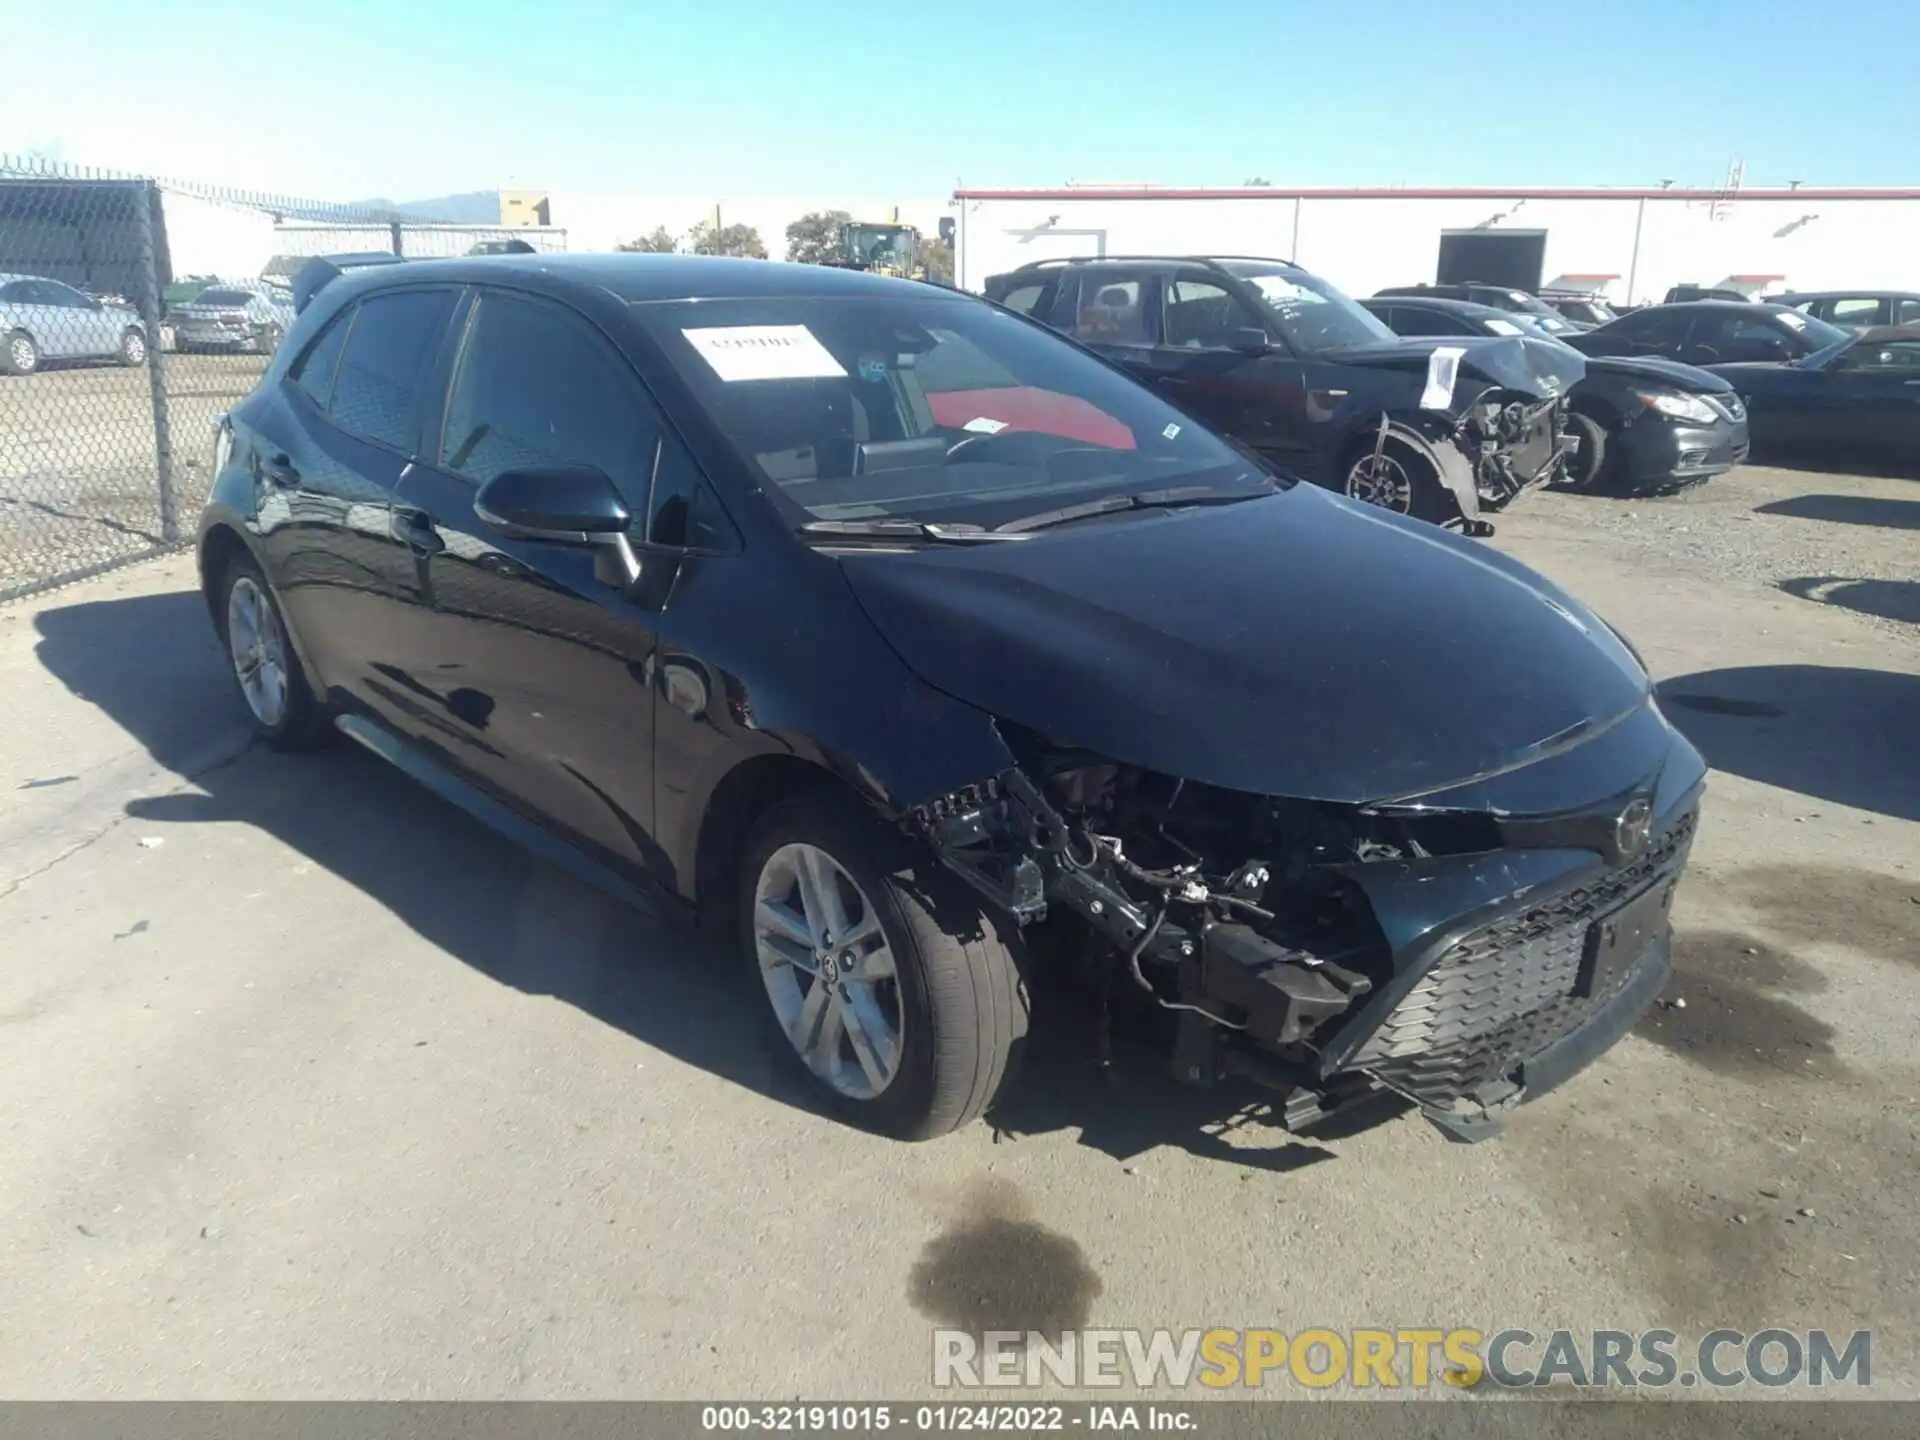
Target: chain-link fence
(134,311)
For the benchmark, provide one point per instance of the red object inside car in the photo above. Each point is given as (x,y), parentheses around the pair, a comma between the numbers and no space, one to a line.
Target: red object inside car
(1026,408)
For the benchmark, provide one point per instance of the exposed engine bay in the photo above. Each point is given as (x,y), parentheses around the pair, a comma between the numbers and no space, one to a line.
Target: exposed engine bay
(1246,917)
(1514,443)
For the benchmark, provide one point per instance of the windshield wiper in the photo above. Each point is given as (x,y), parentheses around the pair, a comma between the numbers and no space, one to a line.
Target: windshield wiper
(899,529)
(1143,500)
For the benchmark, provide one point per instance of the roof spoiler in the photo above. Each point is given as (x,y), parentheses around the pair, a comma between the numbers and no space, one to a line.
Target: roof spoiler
(322,270)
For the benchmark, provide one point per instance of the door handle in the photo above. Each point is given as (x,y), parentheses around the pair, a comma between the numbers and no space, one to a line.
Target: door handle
(417,529)
(279,471)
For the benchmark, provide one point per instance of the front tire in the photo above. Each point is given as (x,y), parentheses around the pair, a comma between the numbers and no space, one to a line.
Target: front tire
(262,660)
(19,355)
(1398,479)
(1587,466)
(884,982)
(133,347)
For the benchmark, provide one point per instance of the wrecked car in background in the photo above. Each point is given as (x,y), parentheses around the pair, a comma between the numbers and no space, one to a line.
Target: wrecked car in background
(915,647)
(1275,357)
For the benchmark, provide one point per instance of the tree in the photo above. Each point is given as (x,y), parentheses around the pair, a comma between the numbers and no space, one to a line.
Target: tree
(660,242)
(1255,182)
(744,240)
(936,258)
(814,239)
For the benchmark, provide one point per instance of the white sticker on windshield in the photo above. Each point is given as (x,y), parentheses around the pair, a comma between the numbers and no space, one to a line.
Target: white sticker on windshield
(1171,431)
(764,352)
(985,425)
(1793,318)
(1443,367)
(1503,327)
(1278,290)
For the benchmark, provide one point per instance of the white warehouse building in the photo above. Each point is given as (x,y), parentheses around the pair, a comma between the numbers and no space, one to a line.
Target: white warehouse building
(1628,245)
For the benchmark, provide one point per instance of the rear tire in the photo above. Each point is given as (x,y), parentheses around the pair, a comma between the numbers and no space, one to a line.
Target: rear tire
(263,662)
(133,347)
(1587,467)
(19,355)
(911,1018)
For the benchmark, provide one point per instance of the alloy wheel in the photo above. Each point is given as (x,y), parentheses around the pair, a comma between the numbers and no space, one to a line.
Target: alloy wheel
(134,347)
(21,355)
(828,970)
(259,651)
(1381,480)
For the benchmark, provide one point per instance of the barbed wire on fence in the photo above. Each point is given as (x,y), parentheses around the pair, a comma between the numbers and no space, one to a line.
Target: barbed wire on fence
(133,312)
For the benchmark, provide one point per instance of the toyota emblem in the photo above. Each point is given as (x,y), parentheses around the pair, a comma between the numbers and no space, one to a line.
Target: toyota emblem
(1630,830)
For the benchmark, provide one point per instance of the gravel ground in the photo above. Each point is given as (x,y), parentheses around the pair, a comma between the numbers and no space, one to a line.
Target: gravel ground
(78,478)
(1851,541)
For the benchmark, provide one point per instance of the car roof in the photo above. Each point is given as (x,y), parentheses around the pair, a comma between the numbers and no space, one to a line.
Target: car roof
(641,277)
(1094,262)
(1737,307)
(1471,308)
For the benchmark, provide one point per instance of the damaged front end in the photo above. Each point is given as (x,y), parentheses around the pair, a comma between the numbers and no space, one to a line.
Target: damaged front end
(1492,418)
(1454,957)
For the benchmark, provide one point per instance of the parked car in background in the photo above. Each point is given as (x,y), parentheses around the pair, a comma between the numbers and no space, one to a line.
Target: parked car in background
(1265,352)
(43,321)
(1858,399)
(1500,297)
(1856,309)
(912,646)
(1583,307)
(1711,332)
(1681,294)
(250,317)
(1644,426)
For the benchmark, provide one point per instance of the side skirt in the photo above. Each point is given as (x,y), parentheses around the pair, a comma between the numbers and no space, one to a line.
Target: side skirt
(505,820)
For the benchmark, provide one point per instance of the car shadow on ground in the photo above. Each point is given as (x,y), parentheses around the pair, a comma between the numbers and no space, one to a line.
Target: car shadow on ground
(1888,599)
(1848,510)
(1829,732)
(150,663)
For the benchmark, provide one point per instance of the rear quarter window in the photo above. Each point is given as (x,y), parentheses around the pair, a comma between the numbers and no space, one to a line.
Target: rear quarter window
(376,386)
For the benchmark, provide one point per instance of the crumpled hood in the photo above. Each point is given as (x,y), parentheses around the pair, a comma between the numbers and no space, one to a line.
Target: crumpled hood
(1298,645)
(1671,373)
(1540,369)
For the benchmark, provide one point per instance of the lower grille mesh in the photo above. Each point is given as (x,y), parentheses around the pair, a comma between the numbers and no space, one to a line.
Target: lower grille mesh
(1504,993)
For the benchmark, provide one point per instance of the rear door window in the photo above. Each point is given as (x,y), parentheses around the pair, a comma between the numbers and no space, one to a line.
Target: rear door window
(1855,310)
(376,386)
(1113,308)
(1024,298)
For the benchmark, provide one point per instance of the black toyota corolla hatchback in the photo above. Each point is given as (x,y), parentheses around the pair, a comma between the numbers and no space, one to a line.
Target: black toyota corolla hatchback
(902,638)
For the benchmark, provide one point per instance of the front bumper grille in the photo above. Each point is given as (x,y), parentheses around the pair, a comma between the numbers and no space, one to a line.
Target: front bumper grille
(1502,994)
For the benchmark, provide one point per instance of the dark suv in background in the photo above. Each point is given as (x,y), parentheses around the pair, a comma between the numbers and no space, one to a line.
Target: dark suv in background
(1275,357)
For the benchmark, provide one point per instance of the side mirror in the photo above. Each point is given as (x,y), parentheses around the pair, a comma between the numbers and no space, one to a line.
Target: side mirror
(1249,340)
(564,505)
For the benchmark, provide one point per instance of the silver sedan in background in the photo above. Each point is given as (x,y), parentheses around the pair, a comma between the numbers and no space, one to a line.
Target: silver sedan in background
(42,320)
(233,317)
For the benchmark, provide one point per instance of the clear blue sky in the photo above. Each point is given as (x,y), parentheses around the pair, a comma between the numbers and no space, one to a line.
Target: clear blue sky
(412,98)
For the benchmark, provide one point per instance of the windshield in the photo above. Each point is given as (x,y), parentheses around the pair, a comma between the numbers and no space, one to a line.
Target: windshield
(1551,326)
(929,408)
(1313,315)
(218,296)
(1816,332)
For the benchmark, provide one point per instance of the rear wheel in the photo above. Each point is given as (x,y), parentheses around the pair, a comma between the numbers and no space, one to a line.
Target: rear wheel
(133,347)
(265,668)
(19,356)
(884,982)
